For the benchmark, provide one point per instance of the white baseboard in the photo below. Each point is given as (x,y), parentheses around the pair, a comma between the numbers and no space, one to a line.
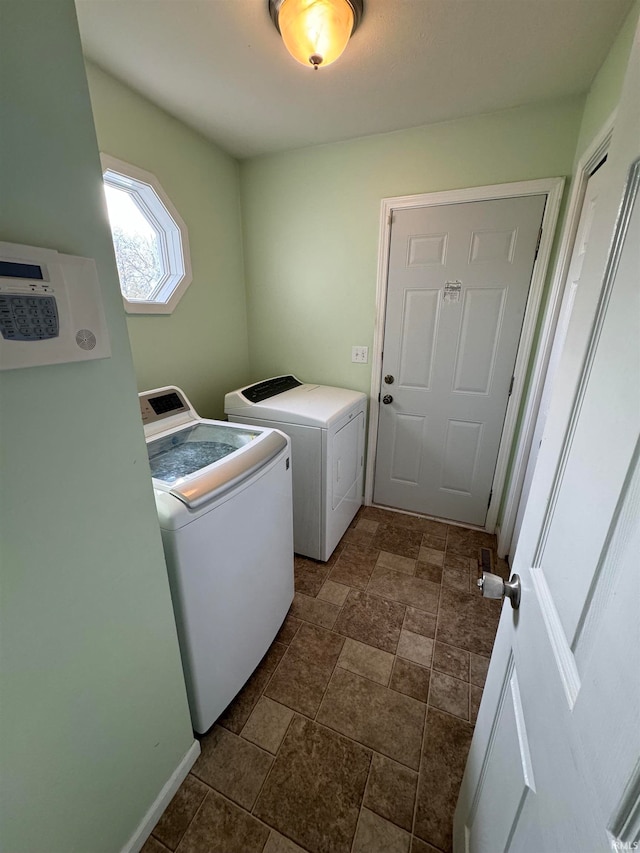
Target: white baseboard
(137,840)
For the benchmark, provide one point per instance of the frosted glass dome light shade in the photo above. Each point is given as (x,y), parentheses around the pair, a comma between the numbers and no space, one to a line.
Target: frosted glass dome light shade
(316,32)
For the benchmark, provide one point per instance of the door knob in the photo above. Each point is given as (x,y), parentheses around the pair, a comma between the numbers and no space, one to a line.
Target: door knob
(389,379)
(492,586)
(387,399)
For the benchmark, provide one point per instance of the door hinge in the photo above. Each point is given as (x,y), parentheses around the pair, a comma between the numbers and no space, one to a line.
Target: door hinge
(538,243)
(390,219)
(490,496)
(513,379)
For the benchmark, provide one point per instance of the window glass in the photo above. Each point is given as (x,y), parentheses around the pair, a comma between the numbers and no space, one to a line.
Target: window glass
(137,246)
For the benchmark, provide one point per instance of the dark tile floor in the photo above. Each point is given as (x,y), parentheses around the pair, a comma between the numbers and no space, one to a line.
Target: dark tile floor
(352,734)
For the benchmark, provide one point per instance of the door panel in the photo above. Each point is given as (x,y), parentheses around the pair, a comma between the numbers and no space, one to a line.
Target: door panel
(574,644)
(492,246)
(427,249)
(507,775)
(408,438)
(482,315)
(459,276)
(460,456)
(419,328)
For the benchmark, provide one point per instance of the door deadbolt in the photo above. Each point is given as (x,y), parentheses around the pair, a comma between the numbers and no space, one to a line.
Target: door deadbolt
(389,379)
(387,399)
(492,586)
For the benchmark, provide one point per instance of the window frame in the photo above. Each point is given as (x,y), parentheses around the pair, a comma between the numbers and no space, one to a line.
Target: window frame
(159,210)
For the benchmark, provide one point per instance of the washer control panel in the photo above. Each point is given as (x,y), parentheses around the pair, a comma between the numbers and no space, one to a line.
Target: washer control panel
(162,403)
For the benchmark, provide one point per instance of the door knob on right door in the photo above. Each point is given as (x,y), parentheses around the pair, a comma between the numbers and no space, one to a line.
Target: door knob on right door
(387,399)
(492,586)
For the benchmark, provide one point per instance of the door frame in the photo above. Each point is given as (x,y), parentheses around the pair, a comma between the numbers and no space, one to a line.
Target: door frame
(524,454)
(553,189)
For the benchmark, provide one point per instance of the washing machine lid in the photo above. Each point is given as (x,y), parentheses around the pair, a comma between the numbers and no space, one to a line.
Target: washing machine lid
(309,405)
(199,462)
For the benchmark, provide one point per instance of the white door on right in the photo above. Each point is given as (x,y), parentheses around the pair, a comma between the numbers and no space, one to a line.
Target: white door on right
(458,281)
(554,764)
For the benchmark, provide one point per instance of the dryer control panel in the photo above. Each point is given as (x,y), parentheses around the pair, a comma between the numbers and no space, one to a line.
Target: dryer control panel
(269,388)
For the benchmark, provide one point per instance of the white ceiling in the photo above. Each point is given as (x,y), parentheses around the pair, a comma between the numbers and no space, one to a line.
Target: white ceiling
(221,67)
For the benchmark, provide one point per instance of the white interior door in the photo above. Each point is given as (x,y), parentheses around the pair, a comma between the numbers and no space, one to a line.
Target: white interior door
(458,280)
(554,765)
(580,329)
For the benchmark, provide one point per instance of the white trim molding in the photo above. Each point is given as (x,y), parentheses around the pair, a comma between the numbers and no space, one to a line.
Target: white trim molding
(137,840)
(552,188)
(524,454)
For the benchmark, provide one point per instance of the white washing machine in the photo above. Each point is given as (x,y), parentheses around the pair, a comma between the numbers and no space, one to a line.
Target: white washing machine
(326,428)
(223,495)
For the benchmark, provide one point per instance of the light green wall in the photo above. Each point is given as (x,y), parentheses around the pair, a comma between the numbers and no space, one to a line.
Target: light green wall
(93,712)
(311,225)
(202,346)
(604,93)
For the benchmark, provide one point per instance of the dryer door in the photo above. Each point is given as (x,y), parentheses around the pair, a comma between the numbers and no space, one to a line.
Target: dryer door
(346,461)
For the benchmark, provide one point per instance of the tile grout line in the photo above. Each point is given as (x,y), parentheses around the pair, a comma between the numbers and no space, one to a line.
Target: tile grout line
(426,716)
(334,666)
(196,813)
(455,677)
(249,814)
(264,781)
(162,845)
(366,677)
(268,682)
(365,591)
(242,808)
(364,796)
(364,746)
(393,600)
(324,692)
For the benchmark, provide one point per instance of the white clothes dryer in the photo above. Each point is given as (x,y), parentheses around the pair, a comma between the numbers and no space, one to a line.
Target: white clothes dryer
(223,496)
(326,427)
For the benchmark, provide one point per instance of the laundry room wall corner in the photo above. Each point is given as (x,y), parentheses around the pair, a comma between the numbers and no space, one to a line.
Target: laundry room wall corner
(606,87)
(94,718)
(202,347)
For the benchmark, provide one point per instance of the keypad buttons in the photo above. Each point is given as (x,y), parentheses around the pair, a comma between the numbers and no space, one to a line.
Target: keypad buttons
(33,318)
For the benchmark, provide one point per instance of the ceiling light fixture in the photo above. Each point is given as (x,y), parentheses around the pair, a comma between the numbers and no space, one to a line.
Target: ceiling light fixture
(316,31)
